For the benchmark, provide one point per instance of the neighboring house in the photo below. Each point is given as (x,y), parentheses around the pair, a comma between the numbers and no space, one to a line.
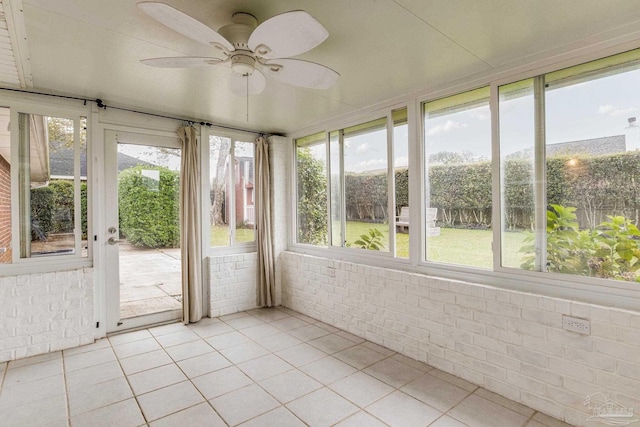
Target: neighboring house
(243,169)
(61,163)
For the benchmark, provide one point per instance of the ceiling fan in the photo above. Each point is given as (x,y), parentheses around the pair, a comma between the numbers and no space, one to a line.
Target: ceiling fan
(252,51)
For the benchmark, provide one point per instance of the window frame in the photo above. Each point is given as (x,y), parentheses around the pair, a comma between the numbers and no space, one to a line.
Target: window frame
(385,115)
(600,291)
(48,263)
(233,247)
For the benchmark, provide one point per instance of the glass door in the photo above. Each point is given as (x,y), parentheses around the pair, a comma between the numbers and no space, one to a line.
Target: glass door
(143,271)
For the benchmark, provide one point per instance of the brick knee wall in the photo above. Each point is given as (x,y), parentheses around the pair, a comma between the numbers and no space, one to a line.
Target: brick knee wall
(232,283)
(44,312)
(509,342)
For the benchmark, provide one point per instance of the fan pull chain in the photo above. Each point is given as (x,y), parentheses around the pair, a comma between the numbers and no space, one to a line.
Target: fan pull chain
(247,97)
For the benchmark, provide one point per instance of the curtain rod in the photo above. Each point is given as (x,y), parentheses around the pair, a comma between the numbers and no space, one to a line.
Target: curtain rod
(100,103)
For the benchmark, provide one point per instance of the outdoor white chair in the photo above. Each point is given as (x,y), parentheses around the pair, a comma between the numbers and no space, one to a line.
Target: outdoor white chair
(431,214)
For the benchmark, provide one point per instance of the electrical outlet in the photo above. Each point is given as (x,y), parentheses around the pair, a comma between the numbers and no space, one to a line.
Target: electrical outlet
(581,326)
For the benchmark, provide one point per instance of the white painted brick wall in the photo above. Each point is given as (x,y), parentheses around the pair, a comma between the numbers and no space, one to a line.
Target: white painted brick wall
(232,280)
(509,342)
(40,313)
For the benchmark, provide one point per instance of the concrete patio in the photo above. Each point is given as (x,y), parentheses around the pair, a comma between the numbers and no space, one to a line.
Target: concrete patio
(150,280)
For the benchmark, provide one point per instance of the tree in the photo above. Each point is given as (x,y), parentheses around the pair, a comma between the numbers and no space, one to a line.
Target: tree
(312,199)
(218,154)
(455,157)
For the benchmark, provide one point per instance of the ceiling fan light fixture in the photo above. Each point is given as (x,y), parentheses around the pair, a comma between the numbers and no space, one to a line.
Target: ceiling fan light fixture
(243,64)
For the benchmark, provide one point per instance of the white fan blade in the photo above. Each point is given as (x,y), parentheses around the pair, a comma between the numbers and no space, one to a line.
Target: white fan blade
(301,73)
(183,24)
(181,62)
(254,82)
(288,34)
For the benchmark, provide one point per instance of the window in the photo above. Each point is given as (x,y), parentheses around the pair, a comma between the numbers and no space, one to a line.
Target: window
(43,179)
(579,172)
(311,182)
(401,181)
(366,186)
(343,186)
(545,182)
(517,147)
(457,147)
(231,185)
(48,175)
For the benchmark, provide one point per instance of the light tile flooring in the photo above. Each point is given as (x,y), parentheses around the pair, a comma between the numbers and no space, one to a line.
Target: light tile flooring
(267,367)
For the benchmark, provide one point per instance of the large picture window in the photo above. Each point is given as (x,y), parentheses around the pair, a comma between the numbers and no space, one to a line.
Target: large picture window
(578,172)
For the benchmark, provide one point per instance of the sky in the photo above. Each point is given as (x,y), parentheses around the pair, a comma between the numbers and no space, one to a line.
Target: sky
(167,157)
(592,109)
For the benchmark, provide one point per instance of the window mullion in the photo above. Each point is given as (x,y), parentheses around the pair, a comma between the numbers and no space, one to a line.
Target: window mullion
(391,186)
(329,190)
(232,190)
(24,185)
(77,205)
(540,180)
(343,206)
(497,210)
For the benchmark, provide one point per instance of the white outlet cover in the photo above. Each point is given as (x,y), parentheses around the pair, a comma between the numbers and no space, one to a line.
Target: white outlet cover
(574,324)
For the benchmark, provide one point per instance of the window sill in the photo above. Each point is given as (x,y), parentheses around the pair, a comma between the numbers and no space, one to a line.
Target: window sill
(41,265)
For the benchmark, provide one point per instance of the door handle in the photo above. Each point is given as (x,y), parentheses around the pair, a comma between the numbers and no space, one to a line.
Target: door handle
(113,241)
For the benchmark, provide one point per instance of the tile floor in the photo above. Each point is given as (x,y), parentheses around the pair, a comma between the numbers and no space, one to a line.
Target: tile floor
(267,367)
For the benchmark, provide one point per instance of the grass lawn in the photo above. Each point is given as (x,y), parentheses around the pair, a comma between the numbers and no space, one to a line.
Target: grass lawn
(220,235)
(455,246)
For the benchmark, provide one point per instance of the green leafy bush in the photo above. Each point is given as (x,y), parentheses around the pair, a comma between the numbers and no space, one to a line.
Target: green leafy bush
(611,251)
(41,212)
(62,206)
(148,217)
(312,199)
(371,240)
(52,209)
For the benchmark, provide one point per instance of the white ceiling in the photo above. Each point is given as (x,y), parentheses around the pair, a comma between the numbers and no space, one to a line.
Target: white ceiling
(382,49)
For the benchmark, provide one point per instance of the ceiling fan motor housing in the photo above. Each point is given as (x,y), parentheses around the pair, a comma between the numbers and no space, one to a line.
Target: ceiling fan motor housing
(243,60)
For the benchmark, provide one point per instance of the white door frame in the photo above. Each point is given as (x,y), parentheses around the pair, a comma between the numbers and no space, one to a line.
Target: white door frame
(111,266)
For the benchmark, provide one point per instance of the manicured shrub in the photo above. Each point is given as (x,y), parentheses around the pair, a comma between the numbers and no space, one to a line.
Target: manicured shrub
(312,199)
(149,210)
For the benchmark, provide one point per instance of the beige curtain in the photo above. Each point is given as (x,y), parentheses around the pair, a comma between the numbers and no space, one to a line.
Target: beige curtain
(266,268)
(190,227)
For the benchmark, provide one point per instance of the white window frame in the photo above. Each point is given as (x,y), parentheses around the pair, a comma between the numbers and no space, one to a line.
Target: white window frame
(600,291)
(48,263)
(386,114)
(233,247)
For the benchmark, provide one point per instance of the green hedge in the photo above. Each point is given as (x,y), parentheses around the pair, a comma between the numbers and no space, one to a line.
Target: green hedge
(596,185)
(52,209)
(149,211)
(312,198)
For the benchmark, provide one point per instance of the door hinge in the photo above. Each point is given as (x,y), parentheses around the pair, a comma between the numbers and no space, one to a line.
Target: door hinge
(95,238)
(97,325)
(119,323)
